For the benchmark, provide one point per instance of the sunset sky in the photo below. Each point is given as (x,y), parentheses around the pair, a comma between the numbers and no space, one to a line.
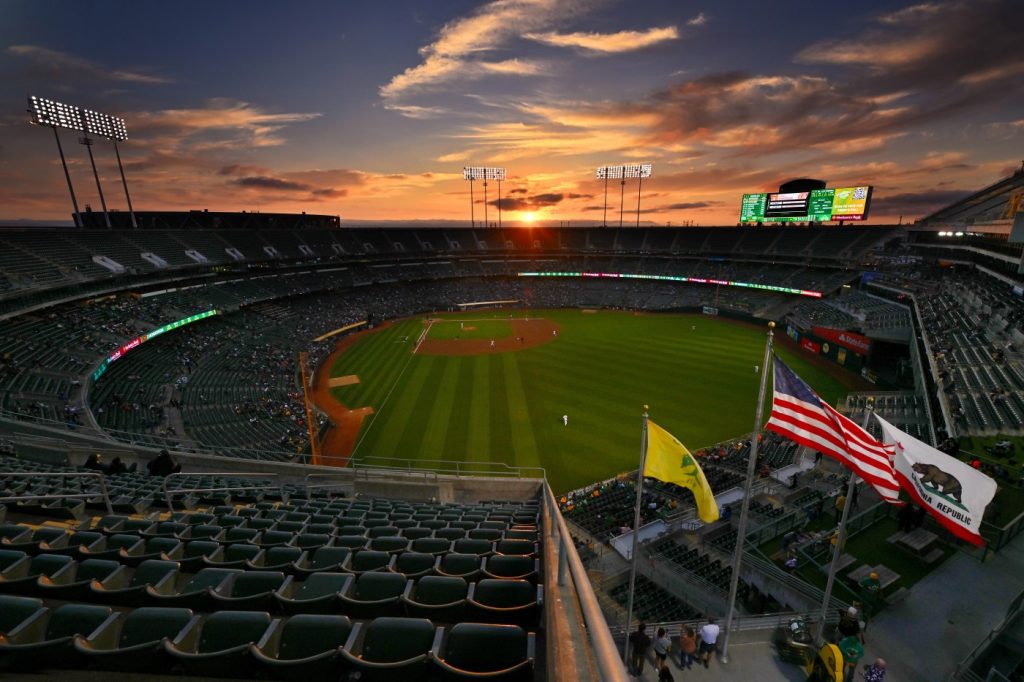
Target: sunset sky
(369,110)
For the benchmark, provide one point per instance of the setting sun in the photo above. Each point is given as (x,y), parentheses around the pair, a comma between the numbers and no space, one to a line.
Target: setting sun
(529,217)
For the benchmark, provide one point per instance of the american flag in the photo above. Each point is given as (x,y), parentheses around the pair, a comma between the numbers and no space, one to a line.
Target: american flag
(800,415)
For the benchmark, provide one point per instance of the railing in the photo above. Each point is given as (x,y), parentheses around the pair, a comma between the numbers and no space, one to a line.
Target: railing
(606,656)
(169,494)
(747,623)
(997,537)
(61,474)
(307,485)
(790,582)
(447,467)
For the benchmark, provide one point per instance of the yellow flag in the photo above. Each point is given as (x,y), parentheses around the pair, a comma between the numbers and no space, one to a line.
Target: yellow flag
(668,460)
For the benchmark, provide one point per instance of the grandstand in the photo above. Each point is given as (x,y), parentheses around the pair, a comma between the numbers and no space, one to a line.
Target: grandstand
(255,563)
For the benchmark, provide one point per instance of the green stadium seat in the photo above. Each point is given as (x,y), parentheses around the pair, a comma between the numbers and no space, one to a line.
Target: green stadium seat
(312,540)
(505,601)
(516,547)
(375,594)
(431,545)
(74,585)
(450,533)
(318,593)
(413,564)
(195,593)
(382,531)
(162,548)
(236,534)
(511,567)
(490,534)
(249,590)
(21,576)
(235,555)
(415,533)
(309,648)
(480,651)
(138,645)
(389,544)
(150,577)
(458,565)
(48,643)
(478,547)
(222,647)
(111,547)
(323,559)
(439,598)
(279,558)
(275,538)
(367,560)
(9,557)
(196,551)
(389,649)
(16,610)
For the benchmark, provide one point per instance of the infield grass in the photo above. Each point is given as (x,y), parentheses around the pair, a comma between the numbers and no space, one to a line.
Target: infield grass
(469,327)
(507,407)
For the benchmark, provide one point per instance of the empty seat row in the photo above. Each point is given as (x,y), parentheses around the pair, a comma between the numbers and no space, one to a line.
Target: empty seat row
(371,593)
(250,644)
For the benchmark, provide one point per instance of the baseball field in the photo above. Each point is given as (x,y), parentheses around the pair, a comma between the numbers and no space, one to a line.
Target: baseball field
(559,389)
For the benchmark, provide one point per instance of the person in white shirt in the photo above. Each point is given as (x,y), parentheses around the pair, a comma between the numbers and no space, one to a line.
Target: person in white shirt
(662,643)
(565,420)
(708,638)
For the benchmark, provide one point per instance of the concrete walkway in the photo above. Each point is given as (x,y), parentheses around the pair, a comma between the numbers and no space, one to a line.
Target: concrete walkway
(947,615)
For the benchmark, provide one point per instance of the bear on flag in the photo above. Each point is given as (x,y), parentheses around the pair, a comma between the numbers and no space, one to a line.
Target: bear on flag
(950,490)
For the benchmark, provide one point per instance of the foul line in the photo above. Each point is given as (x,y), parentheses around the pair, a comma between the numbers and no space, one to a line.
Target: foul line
(377,412)
(423,336)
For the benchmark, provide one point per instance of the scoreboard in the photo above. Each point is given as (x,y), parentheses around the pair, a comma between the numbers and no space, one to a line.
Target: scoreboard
(818,205)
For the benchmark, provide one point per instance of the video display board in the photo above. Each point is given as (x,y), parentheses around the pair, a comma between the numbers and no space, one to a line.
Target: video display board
(149,336)
(819,205)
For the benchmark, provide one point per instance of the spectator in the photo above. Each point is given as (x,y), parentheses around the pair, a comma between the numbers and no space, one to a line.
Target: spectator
(162,465)
(662,644)
(639,641)
(687,647)
(94,463)
(708,640)
(840,503)
(875,672)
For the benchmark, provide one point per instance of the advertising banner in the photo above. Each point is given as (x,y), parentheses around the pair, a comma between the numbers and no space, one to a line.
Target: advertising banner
(850,340)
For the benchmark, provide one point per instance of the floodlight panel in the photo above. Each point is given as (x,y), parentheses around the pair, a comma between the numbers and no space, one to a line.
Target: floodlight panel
(105,125)
(494,173)
(636,170)
(47,112)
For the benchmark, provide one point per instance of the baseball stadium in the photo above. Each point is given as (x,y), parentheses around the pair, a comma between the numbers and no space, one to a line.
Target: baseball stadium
(551,435)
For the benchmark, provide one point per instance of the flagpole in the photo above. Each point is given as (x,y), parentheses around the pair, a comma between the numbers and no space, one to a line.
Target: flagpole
(841,535)
(636,533)
(741,530)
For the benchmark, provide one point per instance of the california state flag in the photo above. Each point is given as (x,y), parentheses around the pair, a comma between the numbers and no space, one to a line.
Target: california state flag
(950,490)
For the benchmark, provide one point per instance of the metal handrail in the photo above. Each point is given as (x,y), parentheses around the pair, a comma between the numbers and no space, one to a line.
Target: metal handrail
(606,654)
(458,467)
(62,474)
(741,623)
(168,494)
(307,485)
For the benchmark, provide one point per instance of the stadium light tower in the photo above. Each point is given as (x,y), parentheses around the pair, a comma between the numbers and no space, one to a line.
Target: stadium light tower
(55,115)
(46,112)
(113,129)
(621,172)
(484,173)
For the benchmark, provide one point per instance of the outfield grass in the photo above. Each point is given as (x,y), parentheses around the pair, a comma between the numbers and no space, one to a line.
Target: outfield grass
(507,407)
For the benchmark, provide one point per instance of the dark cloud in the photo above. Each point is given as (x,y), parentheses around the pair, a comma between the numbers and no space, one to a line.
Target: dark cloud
(687,205)
(916,203)
(536,201)
(519,190)
(267,182)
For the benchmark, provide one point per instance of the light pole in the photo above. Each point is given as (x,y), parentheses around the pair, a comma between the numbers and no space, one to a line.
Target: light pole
(484,173)
(47,112)
(621,172)
(87,141)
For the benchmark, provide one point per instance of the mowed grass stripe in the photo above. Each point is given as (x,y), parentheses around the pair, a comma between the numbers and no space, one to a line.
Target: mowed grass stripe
(439,401)
(384,439)
(478,395)
(523,441)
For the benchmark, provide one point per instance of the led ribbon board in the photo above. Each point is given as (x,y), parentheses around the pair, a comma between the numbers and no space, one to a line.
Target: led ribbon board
(149,336)
(673,278)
